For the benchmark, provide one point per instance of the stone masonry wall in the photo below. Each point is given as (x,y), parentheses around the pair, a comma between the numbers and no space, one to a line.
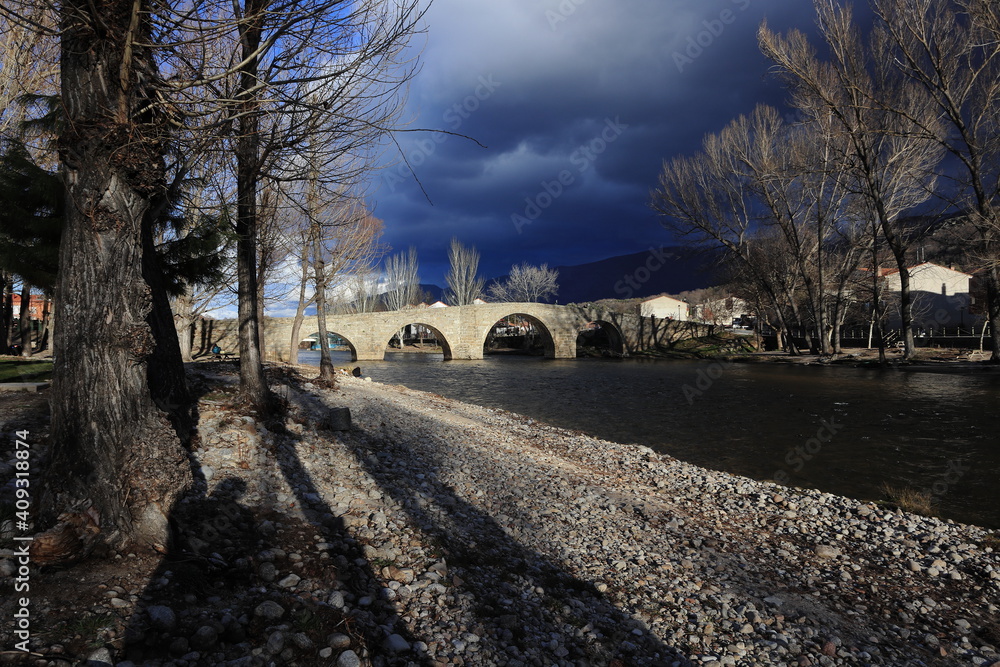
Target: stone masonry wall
(462,330)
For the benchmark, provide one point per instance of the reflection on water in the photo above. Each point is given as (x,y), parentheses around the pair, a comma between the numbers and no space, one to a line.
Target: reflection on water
(843,430)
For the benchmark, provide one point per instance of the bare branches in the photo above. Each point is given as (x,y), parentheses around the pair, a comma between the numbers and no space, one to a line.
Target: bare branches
(527,284)
(401,279)
(28,65)
(464,285)
(886,120)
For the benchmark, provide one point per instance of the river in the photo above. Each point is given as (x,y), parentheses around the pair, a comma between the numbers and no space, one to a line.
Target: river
(839,429)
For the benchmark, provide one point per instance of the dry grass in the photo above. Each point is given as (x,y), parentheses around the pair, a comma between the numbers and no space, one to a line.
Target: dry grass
(909,499)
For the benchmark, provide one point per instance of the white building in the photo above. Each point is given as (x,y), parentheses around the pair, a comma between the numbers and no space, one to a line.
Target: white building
(941,296)
(664,307)
(721,311)
(930,277)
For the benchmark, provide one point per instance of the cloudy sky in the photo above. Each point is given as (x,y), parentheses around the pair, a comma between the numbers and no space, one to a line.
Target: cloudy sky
(577,103)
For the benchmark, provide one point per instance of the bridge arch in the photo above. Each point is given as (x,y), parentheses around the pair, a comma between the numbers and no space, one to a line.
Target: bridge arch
(520,317)
(611,334)
(442,339)
(341,340)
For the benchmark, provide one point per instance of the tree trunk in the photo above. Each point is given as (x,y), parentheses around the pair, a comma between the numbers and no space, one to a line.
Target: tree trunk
(253,385)
(325,363)
(184,323)
(992,280)
(905,305)
(261,338)
(165,369)
(111,447)
(24,324)
(7,313)
(300,309)
(46,326)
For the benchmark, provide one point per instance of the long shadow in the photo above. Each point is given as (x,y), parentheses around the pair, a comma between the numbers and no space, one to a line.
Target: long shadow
(527,607)
(222,592)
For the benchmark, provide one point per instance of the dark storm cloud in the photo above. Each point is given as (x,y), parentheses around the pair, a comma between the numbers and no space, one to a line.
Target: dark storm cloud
(577,103)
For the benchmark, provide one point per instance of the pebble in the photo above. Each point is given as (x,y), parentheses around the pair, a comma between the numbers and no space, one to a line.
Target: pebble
(162,618)
(204,638)
(291,581)
(267,571)
(396,644)
(269,610)
(348,659)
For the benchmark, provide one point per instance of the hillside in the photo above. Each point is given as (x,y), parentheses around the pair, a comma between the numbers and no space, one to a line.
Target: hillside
(672,269)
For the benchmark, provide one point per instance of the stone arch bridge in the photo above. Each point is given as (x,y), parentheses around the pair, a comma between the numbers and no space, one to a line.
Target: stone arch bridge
(462,330)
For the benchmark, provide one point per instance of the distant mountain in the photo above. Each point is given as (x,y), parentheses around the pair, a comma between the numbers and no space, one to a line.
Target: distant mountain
(671,269)
(432,292)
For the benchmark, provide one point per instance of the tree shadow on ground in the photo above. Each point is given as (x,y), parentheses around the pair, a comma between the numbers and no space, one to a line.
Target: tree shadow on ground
(247,583)
(525,608)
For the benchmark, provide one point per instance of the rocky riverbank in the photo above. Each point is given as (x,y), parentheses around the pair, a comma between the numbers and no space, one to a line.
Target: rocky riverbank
(434,532)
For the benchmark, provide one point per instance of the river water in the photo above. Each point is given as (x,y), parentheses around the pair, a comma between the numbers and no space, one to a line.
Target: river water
(843,430)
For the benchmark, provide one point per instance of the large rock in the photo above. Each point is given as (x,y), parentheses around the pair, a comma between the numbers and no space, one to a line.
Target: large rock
(338,419)
(162,618)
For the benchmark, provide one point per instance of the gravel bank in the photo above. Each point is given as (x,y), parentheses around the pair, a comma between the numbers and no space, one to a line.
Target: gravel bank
(601,549)
(440,533)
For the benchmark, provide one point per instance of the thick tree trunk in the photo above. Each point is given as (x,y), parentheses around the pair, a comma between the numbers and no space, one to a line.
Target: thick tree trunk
(111,447)
(24,323)
(253,385)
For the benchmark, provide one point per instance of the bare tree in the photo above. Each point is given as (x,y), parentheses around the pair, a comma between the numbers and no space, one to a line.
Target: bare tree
(363,290)
(349,238)
(402,284)
(881,114)
(952,52)
(401,280)
(464,285)
(527,284)
(785,166)
(292,89)
(729,197)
